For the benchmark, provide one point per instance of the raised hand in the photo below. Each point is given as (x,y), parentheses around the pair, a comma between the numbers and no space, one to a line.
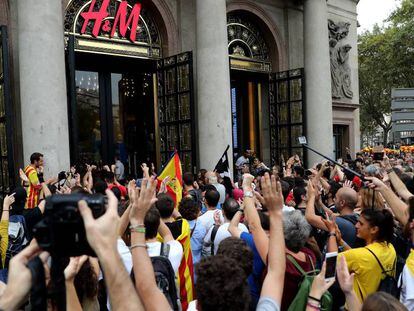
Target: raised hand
(345,279)
(102,233)
(330,222)
(145,170)
(143,200)
(163,187)
(72,269)
(247,182)
(20,277)
(132,186)
(319,284)
(23,176)
(272,193)
(217,218)
(8,201)
(375,183)
(348,184)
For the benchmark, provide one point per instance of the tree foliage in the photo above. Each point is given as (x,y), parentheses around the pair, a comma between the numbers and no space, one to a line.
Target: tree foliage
(386,61)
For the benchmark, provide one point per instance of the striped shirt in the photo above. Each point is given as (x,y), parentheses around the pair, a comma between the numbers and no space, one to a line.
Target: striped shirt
(33,190)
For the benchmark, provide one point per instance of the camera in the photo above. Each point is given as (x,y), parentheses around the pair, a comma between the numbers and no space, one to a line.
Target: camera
(61,232)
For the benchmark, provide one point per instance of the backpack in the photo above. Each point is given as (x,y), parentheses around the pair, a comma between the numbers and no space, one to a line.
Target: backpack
(165,276)
(301,299)
(213,236)
(389,284)
(208,246)
(17,237)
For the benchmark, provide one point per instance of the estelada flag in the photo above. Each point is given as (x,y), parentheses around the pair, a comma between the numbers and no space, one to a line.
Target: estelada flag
(175,185)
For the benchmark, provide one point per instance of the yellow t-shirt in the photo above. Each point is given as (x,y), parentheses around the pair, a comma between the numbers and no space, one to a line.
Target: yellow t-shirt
(368,273)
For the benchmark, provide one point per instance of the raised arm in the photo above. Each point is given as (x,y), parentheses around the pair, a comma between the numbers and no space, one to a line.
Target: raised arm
(234,225)
(274,281)
(4,226)
(311,217)
(260,238)
(396,182)
(398,207)
(102,235)
(145,285)
(346,281)
(72,269)
(165,232)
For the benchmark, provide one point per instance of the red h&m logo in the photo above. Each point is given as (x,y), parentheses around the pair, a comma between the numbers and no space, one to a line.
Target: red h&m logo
(121,21)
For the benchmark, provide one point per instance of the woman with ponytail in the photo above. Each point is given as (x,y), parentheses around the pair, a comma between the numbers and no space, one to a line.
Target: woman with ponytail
(376,228)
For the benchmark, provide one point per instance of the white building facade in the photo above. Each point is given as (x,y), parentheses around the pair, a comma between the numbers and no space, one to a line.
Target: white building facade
(88,80)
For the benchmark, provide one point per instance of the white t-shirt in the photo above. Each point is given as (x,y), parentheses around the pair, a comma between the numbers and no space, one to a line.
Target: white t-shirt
(222,191)
(241,160)
(207,219)
(407,289)
(222,233)
(175,255)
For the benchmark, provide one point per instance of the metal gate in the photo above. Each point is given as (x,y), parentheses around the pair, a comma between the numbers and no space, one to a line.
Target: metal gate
(7,171)
(287,114)
(176,109)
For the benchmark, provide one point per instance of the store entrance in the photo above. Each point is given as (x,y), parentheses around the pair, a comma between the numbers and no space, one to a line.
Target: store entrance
(114,110)
(247,110)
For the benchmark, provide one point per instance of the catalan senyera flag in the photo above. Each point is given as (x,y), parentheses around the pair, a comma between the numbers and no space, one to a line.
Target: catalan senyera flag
(175,185)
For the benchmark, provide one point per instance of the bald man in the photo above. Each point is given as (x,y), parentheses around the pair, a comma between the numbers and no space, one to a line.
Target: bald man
(345,201)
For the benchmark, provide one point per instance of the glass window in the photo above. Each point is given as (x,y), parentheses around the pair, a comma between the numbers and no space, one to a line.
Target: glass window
(183,78)
(2,110)
(88,116)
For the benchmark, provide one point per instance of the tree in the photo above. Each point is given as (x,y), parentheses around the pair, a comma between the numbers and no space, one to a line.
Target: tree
(386,61)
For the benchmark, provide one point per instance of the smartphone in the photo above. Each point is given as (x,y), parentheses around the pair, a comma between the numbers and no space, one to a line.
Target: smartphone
(330,259)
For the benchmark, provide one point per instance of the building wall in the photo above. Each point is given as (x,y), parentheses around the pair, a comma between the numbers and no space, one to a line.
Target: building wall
(281,21)
(346,112)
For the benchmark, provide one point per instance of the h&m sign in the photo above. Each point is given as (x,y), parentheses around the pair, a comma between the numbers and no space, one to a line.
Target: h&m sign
(119,24)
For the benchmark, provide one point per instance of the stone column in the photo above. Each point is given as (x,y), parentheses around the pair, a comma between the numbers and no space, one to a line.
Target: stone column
(43,83)
(213,83)
(317,79)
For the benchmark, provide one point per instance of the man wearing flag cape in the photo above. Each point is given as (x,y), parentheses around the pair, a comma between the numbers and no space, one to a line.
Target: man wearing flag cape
(172,172)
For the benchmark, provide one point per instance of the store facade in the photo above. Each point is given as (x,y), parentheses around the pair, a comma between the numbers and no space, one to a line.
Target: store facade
(144,78)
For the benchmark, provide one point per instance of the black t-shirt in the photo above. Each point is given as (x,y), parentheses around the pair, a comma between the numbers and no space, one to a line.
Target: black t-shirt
(175,227)
(32,217)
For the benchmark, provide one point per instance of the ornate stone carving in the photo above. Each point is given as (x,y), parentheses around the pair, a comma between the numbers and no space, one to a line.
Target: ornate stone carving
(339,52)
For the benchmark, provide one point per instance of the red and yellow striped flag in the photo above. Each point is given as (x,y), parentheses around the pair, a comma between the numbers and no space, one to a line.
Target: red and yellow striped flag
(175,185)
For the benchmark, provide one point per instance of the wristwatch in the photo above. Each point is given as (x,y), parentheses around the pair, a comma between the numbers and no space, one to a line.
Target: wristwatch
(248,194)
(390,170)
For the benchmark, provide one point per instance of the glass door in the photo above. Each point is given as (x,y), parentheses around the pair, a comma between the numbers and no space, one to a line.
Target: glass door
(133,119)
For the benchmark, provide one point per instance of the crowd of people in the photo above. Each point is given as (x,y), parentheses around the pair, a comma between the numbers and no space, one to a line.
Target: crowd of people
(259,242)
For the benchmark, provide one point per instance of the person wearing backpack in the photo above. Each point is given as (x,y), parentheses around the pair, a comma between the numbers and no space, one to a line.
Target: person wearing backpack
(373,265)
(152,222)
(299,259)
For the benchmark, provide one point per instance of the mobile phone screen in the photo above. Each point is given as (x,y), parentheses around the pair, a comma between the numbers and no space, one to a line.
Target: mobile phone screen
(330,267)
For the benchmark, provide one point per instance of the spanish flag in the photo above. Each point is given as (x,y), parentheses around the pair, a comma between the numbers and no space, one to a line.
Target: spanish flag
(175,185)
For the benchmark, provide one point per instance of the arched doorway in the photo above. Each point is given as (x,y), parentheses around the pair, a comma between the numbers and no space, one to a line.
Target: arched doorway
(268,105)
(126,98)
(251,64)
